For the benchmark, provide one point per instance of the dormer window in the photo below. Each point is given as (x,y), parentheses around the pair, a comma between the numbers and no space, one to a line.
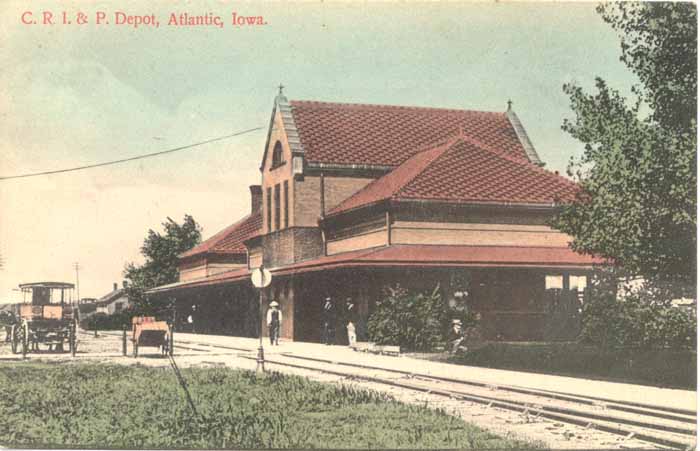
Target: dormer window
(277,158)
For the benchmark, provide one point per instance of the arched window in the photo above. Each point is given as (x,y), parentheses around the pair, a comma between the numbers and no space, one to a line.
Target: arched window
(277,159)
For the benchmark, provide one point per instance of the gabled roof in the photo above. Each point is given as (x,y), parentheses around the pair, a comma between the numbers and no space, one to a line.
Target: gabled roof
(382,135)
(463,170)
(111,296)
(229,240)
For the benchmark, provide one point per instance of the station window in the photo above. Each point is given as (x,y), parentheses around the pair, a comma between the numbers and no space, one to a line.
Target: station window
(277,160)
(286,203)
(277,206)
(553,282)
(269,209)
(578,283)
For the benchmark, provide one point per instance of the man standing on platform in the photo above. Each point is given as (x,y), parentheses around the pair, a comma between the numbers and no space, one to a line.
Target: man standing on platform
(328,313)
(274,322)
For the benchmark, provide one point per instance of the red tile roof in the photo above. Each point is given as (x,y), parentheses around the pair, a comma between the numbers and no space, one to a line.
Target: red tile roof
(464,171)
(388,135)
(230,240)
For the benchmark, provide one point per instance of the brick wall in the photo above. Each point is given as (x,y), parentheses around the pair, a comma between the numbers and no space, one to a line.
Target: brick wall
(307,200)
(291,245)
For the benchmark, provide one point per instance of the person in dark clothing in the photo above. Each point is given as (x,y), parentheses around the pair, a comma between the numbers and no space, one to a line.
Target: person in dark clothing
(455,337)
(274,323)
(328,318)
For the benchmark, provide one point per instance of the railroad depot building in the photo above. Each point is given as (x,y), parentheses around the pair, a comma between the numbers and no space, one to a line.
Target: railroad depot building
(354,198)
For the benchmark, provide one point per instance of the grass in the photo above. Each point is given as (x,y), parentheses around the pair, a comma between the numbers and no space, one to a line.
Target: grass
(664,368)
(109,406)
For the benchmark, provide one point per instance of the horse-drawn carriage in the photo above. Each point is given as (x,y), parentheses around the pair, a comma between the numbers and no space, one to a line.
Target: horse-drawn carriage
(49,318)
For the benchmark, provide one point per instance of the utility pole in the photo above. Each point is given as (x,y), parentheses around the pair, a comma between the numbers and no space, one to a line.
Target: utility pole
(76,266)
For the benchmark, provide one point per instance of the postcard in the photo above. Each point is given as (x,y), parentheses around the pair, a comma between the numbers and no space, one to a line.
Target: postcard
(263,225)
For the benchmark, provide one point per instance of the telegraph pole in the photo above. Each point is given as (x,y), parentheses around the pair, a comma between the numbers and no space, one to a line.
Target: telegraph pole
(76,266)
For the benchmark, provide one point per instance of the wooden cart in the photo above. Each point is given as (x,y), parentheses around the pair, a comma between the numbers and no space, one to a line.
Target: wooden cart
(146,331)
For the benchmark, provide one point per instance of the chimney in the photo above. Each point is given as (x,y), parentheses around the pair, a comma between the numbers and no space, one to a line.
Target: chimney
(255,198)
(125,284)
(115,286)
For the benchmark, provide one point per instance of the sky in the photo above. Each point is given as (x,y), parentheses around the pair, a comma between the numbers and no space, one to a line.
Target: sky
(76,94)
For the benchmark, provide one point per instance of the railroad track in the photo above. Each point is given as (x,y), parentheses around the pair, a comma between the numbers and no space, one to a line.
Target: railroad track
(665,426)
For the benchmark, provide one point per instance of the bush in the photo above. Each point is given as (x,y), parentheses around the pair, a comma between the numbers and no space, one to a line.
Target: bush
(639,318)
(414,321)
(102,321)
(663,367)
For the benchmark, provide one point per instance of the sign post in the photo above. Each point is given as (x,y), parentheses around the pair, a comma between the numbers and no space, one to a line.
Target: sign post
(261,278)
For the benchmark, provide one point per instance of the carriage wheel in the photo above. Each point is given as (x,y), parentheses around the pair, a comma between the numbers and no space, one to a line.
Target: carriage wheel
(14,335)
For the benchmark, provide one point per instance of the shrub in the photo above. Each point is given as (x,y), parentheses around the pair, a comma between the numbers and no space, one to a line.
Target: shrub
(660,367)
(414,321)
(638,318)
(102,321)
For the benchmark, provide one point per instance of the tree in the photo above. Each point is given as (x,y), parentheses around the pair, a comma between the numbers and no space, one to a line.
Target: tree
(638,170)
(161,255)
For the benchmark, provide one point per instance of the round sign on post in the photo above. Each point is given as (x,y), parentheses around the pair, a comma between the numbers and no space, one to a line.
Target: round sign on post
(261,277)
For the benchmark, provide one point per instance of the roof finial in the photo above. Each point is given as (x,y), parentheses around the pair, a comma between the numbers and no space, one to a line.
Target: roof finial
(281,87)
(510,104)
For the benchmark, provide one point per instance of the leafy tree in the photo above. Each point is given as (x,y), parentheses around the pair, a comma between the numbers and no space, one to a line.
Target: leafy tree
(637,205)
(161,254)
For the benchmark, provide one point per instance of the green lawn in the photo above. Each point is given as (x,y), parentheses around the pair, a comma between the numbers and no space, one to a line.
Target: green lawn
(108,406)
(664,368)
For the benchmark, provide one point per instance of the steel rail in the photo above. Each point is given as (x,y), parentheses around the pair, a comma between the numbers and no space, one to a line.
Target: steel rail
(523,407)
(569,415)
(593,415)
(670,413)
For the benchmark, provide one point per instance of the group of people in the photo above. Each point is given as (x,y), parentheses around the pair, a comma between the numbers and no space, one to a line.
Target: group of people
(349,319)
(457,336)
(329,317)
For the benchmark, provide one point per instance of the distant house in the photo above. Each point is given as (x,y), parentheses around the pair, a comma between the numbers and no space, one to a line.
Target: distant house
(354,198)
(113,302)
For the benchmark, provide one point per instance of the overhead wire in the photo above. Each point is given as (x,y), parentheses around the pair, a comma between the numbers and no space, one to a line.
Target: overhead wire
(124,160)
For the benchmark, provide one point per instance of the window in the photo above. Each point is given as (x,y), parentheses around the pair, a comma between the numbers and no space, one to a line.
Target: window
(277,206)
(277,160)
(553,282)
(577,283)
(286,204)
(269,209)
